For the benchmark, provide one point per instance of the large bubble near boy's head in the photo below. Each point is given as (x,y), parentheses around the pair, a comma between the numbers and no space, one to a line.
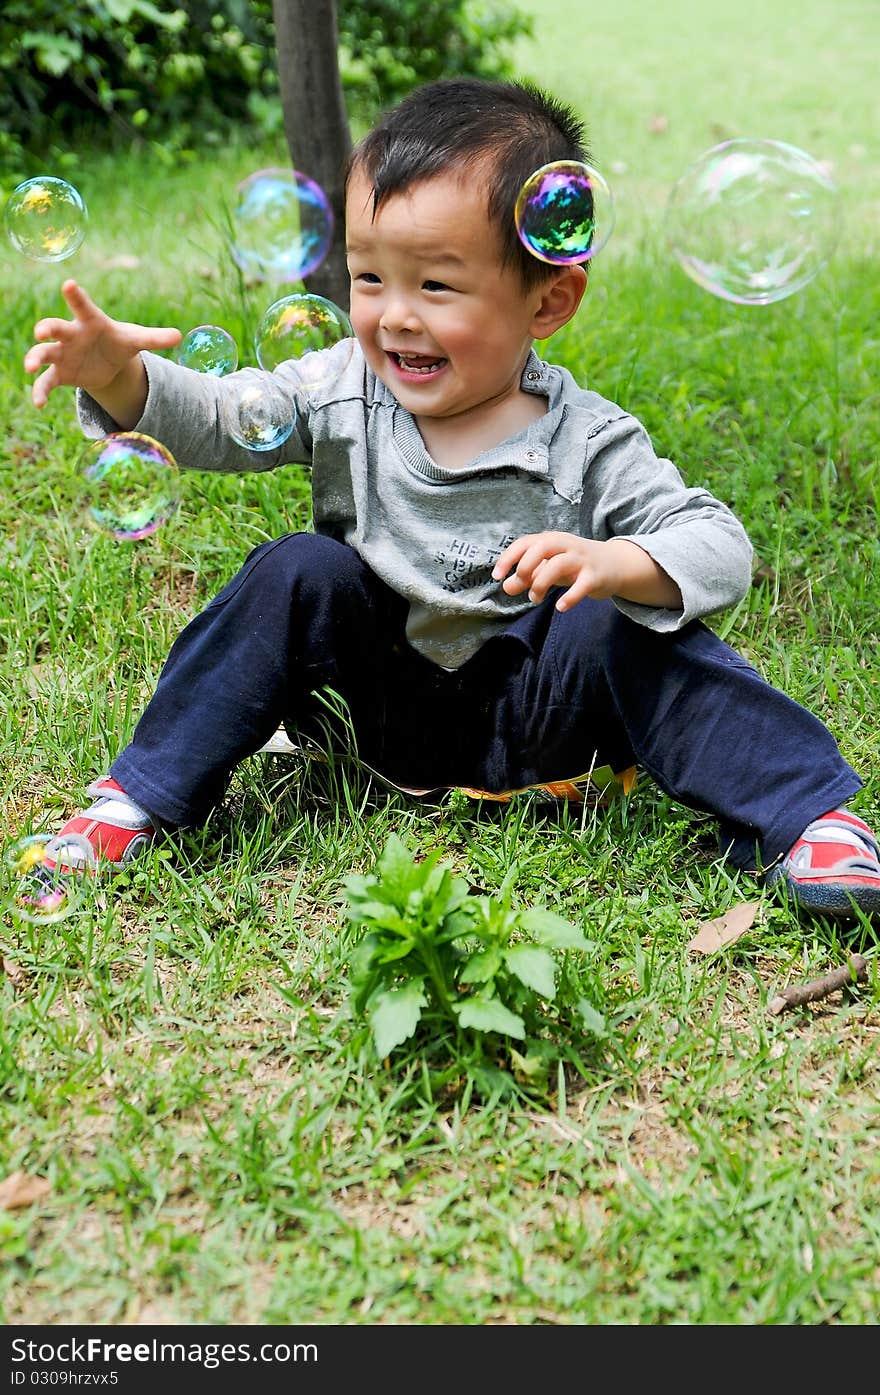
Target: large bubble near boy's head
(46,219)
(131,485)
(282,225)
(564,213)
(44,875)
(299,327)
(753,221)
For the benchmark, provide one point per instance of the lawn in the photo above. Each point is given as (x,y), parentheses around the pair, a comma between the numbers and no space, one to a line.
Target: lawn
(181,1065)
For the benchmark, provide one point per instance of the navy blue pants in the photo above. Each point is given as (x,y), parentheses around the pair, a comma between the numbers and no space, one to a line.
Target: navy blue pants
(553,695)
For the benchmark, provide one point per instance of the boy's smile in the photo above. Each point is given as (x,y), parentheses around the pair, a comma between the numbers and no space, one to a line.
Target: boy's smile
(440,321)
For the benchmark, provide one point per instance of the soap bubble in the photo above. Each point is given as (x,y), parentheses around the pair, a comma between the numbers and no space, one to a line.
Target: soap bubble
(259,414)
(753,221)
(315,372)
(300,326)
(46,218)
(282,224)
(131,484)
(208,349)
(564,212)
(45,875)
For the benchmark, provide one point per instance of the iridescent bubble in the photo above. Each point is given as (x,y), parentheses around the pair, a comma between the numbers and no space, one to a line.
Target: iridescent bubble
(299,327)
(208,349)
(258,413)
(46,218)
(45,875)
(753,221)
(315,372)
(564,212)
(283,225)
(131,484)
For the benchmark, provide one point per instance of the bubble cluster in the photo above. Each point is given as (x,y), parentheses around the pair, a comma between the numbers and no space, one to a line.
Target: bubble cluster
(753,221)
(131,485)
(564,213)
(45,875)
(46,218)
(300,326)
(208,349)
(282,225)
(258,414)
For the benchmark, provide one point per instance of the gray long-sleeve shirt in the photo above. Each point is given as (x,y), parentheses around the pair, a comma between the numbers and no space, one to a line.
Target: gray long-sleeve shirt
(433,534)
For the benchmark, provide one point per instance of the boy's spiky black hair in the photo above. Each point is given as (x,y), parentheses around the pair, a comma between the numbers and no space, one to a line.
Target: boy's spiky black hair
(500,131)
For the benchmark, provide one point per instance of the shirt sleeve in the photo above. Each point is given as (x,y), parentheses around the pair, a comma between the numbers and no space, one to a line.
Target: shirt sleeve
(634,494)
(189,413)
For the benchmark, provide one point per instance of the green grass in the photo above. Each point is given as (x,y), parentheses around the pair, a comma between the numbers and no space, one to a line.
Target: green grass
(178,1060)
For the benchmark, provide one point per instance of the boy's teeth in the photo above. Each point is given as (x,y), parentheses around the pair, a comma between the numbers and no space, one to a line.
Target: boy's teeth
(418,362)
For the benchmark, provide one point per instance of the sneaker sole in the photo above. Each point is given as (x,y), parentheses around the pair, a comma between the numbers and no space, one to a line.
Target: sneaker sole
(832,900)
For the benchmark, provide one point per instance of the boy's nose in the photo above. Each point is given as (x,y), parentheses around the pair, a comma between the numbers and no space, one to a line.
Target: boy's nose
(399,314)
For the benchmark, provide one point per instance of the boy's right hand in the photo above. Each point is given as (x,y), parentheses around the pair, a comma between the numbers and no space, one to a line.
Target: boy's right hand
(92,351)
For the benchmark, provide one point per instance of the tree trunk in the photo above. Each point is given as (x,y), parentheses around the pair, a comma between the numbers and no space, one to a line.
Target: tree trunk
(315,119)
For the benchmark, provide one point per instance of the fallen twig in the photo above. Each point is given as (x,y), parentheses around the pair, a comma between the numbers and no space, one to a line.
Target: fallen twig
(855,970)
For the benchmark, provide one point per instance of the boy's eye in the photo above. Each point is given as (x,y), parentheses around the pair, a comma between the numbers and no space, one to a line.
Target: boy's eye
(436,286)
(369,276)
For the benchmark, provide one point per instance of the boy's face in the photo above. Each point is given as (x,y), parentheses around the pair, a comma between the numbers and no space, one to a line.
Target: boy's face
(441,323)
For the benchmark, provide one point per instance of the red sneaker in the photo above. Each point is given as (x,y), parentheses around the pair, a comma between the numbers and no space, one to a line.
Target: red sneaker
(114,826)
(833,867)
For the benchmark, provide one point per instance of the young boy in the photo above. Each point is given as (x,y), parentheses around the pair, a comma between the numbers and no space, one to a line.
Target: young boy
(504,582)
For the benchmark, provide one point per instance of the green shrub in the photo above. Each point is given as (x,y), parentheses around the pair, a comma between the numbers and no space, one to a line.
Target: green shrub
(130,68)
(190,74)
(387,47)
(472,978)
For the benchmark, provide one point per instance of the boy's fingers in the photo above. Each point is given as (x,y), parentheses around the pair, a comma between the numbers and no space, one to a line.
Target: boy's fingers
(501,568)
(578,591)
(41,354)
(137,337)
(79,302)
(530,561)
(43,386)
(52,329)
(164,338)
(509,557)
(514,584)
(552,571)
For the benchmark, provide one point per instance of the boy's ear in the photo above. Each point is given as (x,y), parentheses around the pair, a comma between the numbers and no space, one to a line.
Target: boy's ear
(560,299)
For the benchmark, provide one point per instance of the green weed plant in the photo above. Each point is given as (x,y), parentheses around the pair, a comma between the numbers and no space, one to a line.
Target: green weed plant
(473,973)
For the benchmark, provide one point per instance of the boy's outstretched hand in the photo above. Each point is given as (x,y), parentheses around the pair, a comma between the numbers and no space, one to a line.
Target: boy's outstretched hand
(617,567)
(92,351)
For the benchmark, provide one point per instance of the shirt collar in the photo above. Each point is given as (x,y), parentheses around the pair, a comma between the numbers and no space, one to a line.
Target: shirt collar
(539,378)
